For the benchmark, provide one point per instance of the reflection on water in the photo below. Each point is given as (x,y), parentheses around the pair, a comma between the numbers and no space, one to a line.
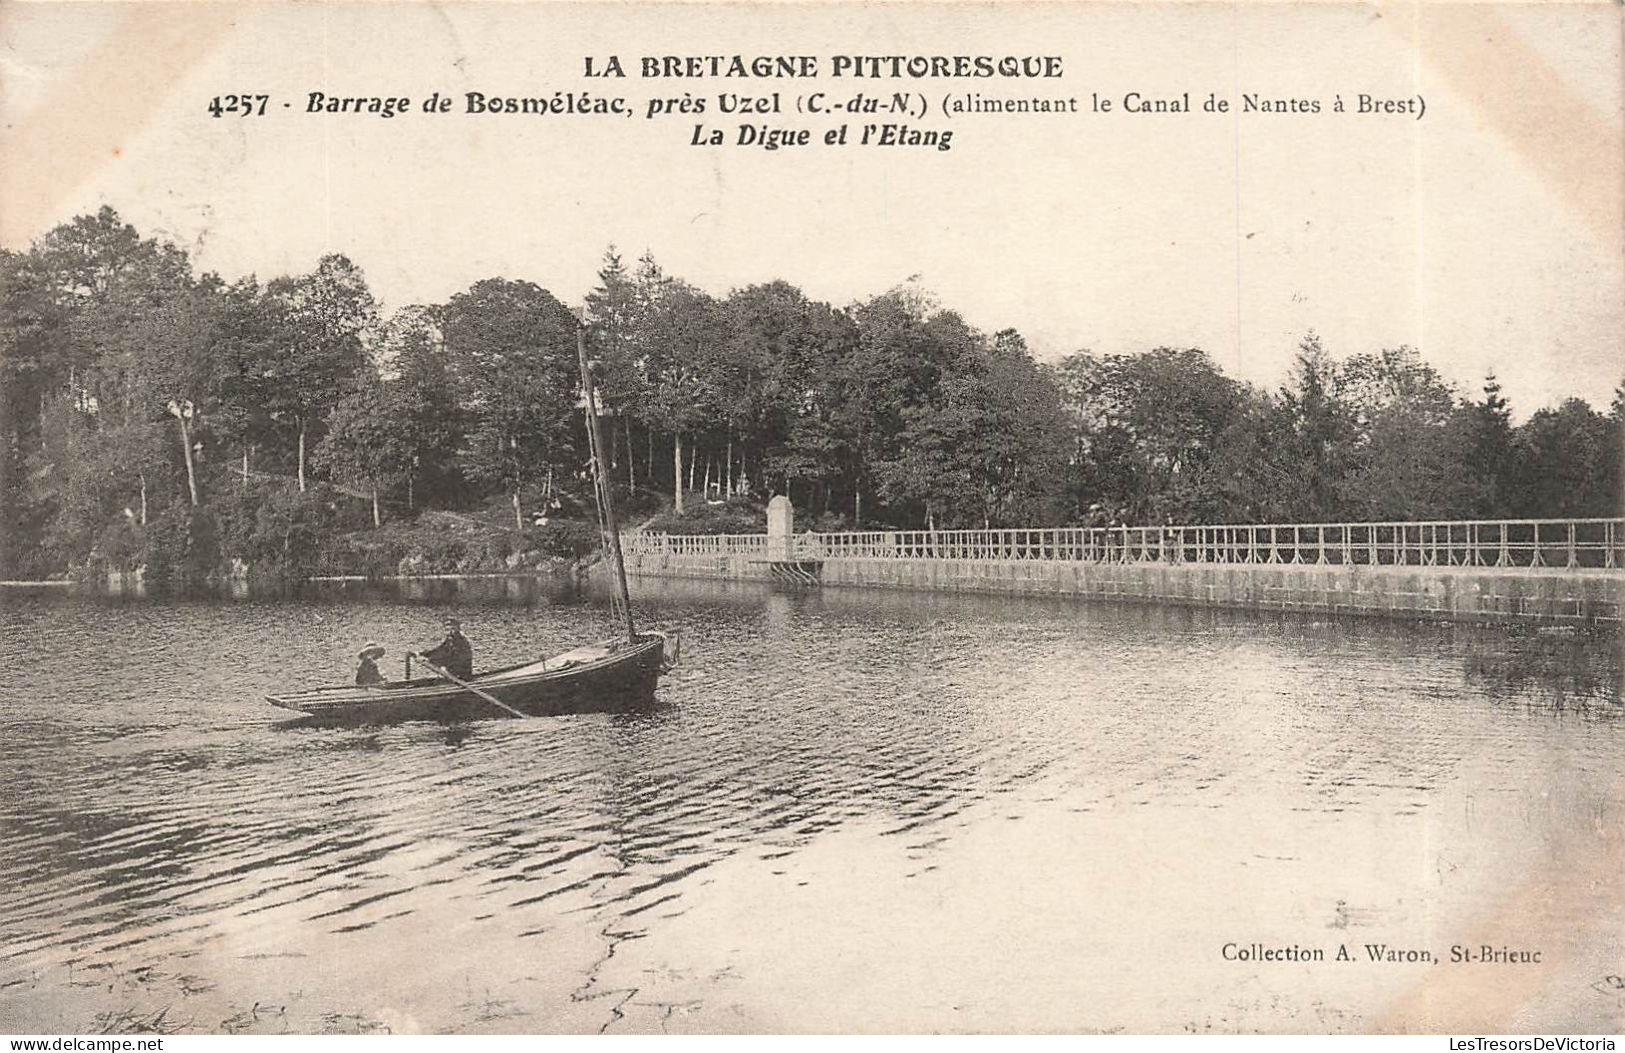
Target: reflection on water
(171,844)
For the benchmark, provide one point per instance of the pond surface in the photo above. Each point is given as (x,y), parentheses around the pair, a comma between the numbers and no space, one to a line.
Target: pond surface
(851,810)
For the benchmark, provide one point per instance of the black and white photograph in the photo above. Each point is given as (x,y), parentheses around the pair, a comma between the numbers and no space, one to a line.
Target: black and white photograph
(793,519)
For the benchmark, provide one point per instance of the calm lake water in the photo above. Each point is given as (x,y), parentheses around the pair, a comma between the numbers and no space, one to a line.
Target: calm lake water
(851,810)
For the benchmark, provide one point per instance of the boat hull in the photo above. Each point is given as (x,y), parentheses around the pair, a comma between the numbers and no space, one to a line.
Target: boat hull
(606,677)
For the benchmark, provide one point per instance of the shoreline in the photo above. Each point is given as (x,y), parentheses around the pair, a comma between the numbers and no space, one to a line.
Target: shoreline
(102,585)
(472,575)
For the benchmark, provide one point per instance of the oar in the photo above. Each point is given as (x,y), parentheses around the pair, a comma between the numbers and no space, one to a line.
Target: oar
(495,701)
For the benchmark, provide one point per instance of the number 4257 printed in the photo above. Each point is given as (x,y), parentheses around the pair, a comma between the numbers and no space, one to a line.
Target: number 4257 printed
(241,105)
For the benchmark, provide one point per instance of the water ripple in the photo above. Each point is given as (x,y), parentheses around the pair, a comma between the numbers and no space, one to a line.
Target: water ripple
(154,807)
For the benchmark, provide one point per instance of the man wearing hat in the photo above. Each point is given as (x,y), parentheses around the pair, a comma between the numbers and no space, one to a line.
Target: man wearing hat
(367,674)
(454,654)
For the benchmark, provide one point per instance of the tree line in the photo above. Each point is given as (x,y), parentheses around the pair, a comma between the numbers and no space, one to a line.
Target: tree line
(149,411)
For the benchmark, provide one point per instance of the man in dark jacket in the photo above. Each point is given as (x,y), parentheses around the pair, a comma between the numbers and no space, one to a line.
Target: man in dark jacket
(454,654)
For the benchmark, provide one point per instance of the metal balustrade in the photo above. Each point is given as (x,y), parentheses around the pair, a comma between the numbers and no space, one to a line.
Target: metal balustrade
(753,546)
(1577,544)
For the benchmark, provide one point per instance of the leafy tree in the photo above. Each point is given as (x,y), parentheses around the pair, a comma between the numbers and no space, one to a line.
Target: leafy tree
(615,310)
(782,386)
(106,326)
(32,335)
(426,399)
(130,388)
(246,374)
(171,364)
(683,337)
(322,320)
(1246,475)
(513,352)
(1483,432)
(1406,461)
(371,438)
(984,445)
(906,345)
(1564,453)
(990,449)
(1612,481)
(1146,431)
(90,256)
(1318,454)
(72,502)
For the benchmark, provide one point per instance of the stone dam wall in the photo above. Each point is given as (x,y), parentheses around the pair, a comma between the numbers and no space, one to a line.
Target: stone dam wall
(1529,595)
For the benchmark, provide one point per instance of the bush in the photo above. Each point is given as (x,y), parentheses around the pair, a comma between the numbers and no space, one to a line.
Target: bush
(120,547)
(447,554)
(374,554)
(564,538)
(634,506)
(282,533)
(180,548)
(700,517)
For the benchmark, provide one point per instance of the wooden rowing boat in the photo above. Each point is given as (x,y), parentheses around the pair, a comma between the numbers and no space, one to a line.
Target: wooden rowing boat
(607,676)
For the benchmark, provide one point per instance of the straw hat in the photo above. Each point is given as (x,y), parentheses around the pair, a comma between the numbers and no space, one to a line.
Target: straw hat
(372,650)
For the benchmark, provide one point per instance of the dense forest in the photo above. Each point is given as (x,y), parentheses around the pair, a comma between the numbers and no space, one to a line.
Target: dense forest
(151,416)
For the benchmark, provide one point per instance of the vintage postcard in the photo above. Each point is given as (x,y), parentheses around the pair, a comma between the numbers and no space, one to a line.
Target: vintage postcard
(811,518)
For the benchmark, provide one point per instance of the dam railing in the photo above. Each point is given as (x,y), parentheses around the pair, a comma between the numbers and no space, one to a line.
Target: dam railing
(1574,544)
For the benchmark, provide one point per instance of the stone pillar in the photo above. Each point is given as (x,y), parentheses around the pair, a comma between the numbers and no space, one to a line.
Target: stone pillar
(781,518)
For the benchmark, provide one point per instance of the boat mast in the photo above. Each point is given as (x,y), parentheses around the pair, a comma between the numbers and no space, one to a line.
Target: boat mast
(620,598)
